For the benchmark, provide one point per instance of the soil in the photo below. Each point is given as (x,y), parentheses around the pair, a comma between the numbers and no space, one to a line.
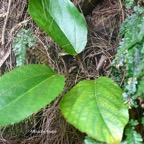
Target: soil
(103,20)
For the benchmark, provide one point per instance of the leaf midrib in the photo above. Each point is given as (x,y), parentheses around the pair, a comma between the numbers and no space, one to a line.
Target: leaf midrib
(23,81)
(99,109)
(60,29)
(25,93)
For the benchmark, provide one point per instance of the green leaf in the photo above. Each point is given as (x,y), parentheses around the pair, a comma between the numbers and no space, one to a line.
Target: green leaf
(133,137)
(26,90)
(89,140)
(140,89)
(129,4)
(96,108)
(62,21)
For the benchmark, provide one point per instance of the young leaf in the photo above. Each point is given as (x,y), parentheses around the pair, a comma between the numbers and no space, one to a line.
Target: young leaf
(62,21)
(96,108)
(26,90)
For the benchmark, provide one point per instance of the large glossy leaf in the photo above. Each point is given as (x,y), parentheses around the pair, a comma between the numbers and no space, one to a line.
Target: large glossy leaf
(26,90)
(62,21)
(96,108)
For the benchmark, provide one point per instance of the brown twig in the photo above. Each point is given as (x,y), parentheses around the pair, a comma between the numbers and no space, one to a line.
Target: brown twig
(3,55)
(101,62)
(5,23)
(122,11)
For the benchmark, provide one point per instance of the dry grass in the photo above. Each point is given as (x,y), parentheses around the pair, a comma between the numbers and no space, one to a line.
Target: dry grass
(93,62)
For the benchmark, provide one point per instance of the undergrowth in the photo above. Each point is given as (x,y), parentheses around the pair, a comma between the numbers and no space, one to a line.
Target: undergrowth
(131,55)
(130,58)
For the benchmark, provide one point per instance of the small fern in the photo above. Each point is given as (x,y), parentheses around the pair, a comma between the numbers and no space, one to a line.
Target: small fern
(131,55)
(132,137)
(23,39)
(129,3)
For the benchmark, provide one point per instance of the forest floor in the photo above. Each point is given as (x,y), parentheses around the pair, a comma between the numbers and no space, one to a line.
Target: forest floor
(103,25)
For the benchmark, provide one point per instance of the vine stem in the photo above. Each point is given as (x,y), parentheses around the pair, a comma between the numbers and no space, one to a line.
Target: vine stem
(121,5)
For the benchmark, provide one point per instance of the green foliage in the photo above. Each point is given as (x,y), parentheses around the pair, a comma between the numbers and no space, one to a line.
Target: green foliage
(129,3)
(62,21)
(26,90)
(23,39)
(132,137)
(89,140)
(92,106)
(116,75)
(143,121)
(131,55)
(96,108)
